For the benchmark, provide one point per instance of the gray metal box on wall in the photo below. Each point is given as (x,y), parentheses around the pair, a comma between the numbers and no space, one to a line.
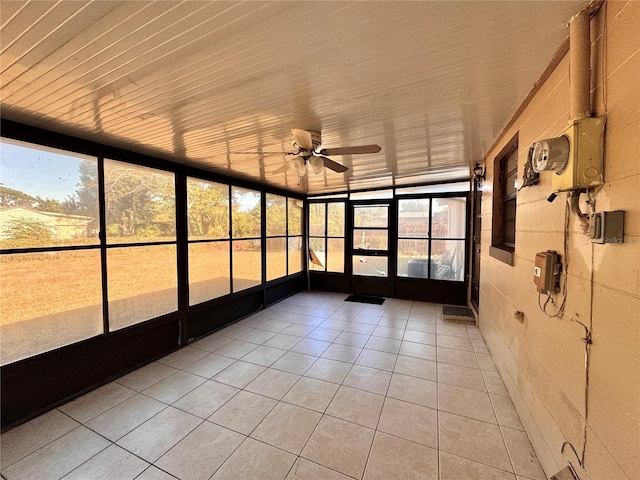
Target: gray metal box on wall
(607,227)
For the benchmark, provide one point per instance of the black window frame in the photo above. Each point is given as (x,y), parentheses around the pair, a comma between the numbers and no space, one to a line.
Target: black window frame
(216,240)
(503,235)
(326,236)
(431,236)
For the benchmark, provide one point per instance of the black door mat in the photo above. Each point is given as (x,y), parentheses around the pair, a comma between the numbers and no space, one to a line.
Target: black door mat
(365,299)
(458,314)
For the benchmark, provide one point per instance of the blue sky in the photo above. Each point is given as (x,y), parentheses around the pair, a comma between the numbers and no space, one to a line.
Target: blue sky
(44,173)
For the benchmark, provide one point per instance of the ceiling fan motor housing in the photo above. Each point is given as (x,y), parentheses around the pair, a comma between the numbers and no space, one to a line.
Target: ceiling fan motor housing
(316,141)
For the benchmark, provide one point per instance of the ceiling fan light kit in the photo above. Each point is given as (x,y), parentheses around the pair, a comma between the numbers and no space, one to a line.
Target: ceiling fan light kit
(307,143)
(316,164)
(299,165)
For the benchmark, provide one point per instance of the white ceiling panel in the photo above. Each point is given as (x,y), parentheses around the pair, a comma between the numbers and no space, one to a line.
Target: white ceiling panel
(219,85)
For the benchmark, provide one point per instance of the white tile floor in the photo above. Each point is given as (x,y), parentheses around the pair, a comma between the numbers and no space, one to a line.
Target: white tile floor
(310,388)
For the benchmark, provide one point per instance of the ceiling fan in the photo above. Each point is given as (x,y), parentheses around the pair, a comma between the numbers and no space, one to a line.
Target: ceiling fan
(306,143)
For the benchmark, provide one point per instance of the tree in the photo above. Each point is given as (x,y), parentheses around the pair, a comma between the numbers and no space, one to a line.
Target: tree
(246,213)
(335,219)
(208,209)
(85,199)
(139,202)
(295,217)
(31,229)
(370,216)
(10,197)
(276,215)
(49,205)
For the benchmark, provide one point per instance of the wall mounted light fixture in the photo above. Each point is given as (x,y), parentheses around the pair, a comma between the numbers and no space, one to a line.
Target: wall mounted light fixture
(479,173)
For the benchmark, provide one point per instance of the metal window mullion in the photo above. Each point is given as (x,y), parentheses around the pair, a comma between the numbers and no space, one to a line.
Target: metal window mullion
(430,237)
(326,236)
(231,239)
(102,214)
(140,244)
(263,244)
(182,252)
(286,231)
(61,248)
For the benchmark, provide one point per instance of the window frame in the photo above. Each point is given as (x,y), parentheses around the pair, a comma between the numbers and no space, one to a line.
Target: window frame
(502,248)
(250,238)
(179,239)
(430,236)
(282,236)
(293,235)
(97,245)
(215,240)
(325,236)
(109,319)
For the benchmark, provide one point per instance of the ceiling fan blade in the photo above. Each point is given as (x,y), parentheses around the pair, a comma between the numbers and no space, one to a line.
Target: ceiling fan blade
(302,138)
(335,166)
(350,150)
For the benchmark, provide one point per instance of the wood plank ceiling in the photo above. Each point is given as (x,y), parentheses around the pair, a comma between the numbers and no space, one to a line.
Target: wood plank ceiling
(432,82)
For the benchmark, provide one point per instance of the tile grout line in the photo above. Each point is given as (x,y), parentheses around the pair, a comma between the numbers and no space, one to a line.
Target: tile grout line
(325,414)
(330,344)
(366,463)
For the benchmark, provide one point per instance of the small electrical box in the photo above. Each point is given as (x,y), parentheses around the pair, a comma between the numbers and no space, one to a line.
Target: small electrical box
(607,227)
(546,272)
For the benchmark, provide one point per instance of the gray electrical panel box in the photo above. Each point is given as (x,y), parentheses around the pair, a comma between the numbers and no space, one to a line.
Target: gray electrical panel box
(607,227)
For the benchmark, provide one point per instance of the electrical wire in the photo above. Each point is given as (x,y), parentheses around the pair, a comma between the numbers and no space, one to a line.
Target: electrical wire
(587,360)
(565,275)
(592,193)
(529,176)
(587,339)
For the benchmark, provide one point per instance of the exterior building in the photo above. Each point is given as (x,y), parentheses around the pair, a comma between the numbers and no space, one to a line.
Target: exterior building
(61,226)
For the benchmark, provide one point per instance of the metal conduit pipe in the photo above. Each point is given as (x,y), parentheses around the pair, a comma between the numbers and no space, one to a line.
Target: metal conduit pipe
(580,66)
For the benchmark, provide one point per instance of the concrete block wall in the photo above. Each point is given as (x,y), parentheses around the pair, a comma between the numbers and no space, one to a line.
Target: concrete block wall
(542,360)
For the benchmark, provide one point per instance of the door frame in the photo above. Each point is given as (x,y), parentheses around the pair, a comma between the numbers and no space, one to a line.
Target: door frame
(371,285)
(476,249)
(401,287)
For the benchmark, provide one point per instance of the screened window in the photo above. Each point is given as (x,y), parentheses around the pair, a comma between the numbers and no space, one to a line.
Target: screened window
(140,204)
(284,236)
(48,197)
(431,238)
(448,230)
(207,210)
(60,274)
(143,283)
(437,188)
(370,225)
(209,244)
(413,237)
(276,236)
(326,236)
(295,241)
(50,273)
(246,254)
(140,209)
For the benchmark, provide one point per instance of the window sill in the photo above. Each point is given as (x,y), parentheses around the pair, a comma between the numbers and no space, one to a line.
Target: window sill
(502,254)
